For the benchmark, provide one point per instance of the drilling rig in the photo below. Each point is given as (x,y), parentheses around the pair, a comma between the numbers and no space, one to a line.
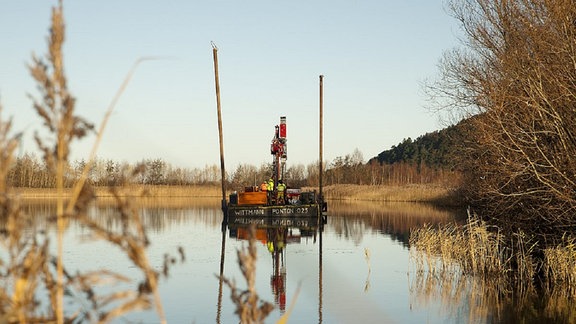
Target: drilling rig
(278,149)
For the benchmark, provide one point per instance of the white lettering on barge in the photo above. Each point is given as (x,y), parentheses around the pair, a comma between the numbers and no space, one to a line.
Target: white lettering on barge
(289,211)
(249,212)
(290,222)
(248,221)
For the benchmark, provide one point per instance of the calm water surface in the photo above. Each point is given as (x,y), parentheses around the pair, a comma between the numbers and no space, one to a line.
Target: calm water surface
(357,270)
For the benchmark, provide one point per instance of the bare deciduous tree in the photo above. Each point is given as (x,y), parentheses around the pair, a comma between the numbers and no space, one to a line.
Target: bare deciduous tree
(517,75)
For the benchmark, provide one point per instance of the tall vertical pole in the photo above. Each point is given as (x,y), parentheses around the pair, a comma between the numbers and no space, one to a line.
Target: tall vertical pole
(321,158)
(321,198)
(222,169)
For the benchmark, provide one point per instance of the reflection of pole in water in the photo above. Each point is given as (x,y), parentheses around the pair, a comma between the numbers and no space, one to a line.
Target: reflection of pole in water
(223,177)
(221,278)
(367,256)
(320,276)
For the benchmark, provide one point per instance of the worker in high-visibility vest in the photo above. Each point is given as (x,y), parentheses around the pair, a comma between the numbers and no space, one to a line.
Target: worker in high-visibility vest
(270,189)
(264,186)
(270,185)
(281,189)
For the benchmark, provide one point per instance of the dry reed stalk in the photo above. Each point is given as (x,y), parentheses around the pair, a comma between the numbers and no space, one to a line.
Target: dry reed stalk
(560,267)
(56,109)
(8,144)
(23,268)
(84,175)
(471,248)
(526,265)
(133,241)
(30,269)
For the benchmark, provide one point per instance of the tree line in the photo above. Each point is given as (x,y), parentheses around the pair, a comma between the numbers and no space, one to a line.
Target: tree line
(30,171)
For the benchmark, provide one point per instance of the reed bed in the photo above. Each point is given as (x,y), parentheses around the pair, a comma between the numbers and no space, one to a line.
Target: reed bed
(475,299)
(344,192)
(471,248)
(131,190)
(560,267)
(410,193)
(478,250)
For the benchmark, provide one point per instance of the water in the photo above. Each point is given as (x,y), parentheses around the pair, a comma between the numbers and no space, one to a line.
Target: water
(357,270)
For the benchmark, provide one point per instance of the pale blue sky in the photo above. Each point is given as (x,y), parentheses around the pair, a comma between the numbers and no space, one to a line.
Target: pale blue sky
(374,55)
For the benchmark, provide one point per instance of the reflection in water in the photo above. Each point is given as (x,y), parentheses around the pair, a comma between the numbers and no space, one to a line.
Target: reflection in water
(353,219)
(489,301)
(354,252)
(158,215)
(320,281)
(221,277)
(367,284)
(276,239)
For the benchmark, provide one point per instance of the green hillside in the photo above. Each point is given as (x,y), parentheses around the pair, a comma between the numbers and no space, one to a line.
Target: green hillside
(438,149)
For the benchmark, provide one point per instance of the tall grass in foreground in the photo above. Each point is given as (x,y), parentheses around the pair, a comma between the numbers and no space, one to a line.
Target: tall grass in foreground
(478,250)
(35,284)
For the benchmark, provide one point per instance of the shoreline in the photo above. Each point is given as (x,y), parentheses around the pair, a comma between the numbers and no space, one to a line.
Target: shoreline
(434,194)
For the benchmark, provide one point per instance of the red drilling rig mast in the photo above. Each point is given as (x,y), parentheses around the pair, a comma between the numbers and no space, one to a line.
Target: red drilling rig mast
(278,149)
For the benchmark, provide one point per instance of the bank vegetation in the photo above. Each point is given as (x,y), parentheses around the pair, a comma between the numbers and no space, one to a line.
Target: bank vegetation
(513,84)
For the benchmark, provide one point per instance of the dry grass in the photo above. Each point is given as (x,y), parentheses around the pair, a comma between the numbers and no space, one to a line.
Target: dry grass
(132,190)
(560,267)
(34,282)
(476,299)
(481,251)
(409,193)
(170,191)
(473,248)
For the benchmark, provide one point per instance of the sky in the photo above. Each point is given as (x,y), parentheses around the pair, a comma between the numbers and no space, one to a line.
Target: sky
(374,55)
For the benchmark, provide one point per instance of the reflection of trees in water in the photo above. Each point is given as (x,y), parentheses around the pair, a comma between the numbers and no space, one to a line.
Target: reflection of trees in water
(348,219)
(160,217)
(157,214)
(38,216)
(352,219)
(471,299)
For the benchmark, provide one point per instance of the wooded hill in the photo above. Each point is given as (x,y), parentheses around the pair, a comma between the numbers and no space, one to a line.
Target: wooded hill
(438,150)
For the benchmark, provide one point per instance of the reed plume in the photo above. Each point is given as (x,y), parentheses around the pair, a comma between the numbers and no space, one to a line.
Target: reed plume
(34,283)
